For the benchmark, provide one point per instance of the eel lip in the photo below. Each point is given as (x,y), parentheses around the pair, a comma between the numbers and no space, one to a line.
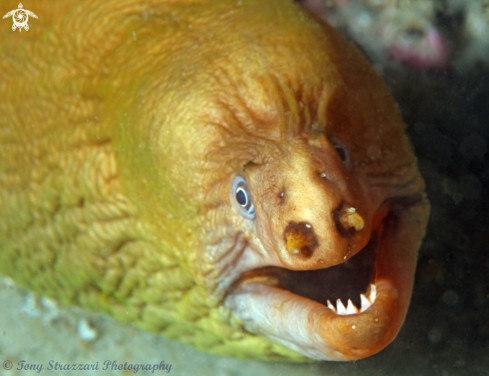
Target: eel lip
(311,328)
(345,312)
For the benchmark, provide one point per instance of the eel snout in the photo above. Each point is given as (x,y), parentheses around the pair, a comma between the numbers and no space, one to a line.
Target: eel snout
(316,216)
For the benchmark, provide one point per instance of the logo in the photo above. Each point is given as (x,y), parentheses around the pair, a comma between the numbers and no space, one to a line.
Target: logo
(20,17)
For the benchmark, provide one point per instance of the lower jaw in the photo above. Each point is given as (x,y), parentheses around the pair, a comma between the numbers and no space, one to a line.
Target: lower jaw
(310,328)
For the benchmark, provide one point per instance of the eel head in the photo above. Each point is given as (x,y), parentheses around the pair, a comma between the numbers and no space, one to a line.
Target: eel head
(328,264)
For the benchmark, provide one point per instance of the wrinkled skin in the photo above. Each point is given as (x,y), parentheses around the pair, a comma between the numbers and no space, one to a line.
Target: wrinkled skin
(122,129)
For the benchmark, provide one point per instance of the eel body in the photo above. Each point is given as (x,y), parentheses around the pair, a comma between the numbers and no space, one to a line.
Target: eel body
(231,174)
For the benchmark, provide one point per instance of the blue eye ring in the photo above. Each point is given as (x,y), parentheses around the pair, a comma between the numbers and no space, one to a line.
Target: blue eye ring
(241,199)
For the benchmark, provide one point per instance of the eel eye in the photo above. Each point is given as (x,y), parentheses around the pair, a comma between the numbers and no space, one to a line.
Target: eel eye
(241,199)
(342,150)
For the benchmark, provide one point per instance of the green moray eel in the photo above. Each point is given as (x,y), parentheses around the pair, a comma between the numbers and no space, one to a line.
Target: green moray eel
(231,174)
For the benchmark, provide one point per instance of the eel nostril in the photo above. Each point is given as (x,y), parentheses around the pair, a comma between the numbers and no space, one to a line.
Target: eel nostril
(348,220)
(300,239)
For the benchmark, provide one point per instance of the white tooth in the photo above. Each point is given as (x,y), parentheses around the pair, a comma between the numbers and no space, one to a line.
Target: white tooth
(365,302)
(340,307)
(373,293)
(331,307)
(351,309)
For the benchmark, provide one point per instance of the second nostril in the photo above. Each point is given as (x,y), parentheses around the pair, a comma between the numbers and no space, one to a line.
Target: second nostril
(300,239)
(348,220)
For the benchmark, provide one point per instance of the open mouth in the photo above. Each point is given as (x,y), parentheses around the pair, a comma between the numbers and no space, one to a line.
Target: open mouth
(343,312)
(346,289)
